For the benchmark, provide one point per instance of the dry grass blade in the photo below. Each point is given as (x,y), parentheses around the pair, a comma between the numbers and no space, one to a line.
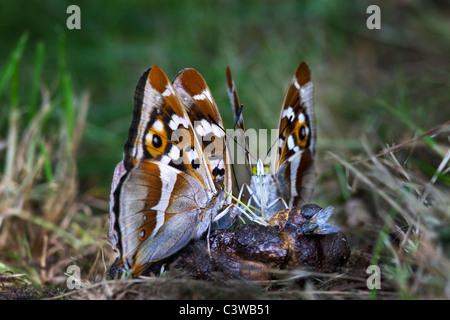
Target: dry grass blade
(445,127)
(440,169)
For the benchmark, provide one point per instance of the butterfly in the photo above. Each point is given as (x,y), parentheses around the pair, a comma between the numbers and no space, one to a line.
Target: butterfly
(290,180)
(175,174)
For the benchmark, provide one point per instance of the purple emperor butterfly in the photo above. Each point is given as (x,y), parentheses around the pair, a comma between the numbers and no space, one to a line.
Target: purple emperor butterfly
(171,183)
(290,180)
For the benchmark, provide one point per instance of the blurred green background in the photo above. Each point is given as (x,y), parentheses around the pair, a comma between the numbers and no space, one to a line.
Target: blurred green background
(362,77)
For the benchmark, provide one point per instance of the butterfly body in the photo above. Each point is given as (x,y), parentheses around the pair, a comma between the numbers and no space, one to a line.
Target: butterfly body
(265,191)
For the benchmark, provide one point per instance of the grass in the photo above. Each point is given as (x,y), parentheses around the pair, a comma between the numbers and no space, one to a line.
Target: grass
(39,182)
(381,104)
(411,212)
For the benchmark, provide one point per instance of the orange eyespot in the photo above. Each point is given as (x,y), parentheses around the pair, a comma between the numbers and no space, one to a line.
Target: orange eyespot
(302,133)
(155,143)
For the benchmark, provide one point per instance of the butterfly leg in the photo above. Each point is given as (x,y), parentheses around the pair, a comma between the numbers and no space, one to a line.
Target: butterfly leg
(245,208)
(252,197)
(222,214)
(252,216)
(222,221)
(279,199)
(274,206)
(284,202)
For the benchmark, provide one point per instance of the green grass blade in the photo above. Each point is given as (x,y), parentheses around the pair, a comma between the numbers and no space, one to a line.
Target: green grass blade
(47,164)
(14,97)
(37,74)
(67,91)
(340,174)
(11,75)
(12,63)
(69,106)
(12,141)
(403,116)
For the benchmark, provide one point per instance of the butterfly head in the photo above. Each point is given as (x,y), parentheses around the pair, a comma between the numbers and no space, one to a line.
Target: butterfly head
(260,169)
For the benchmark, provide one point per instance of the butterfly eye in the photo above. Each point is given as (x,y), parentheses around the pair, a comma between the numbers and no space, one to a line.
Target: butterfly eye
(156,141)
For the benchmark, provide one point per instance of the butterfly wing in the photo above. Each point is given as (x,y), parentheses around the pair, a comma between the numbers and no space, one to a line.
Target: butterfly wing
(161,129)
(238,142)
(205,116)
(161,188)
(296,146)
(234,101)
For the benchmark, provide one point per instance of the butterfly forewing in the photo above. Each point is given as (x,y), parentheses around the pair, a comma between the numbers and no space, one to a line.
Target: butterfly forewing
(234,101)
(239,141)
(297,121)
(173,141)
(205,116)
